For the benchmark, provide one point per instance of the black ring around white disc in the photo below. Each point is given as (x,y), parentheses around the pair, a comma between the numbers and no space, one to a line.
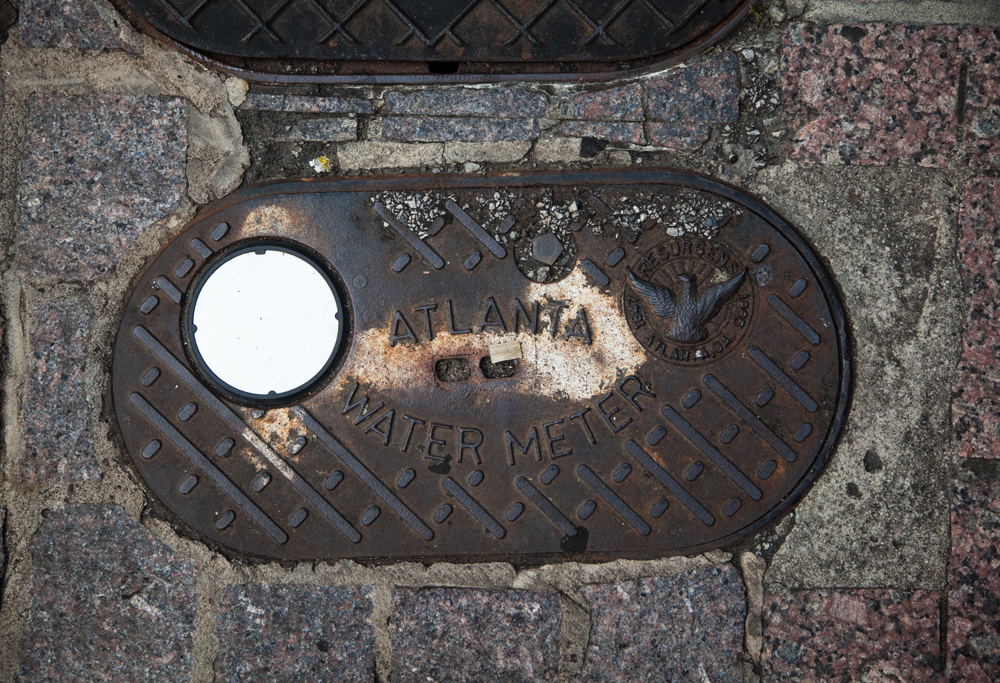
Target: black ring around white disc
(265,322)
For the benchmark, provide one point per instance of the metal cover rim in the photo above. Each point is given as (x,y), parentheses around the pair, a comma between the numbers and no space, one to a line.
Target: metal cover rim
(225,388)
(695,181)
(292,70)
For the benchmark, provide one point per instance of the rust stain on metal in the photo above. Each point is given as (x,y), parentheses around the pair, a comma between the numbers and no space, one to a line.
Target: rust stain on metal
(682,374)
(553,364)
(380,41)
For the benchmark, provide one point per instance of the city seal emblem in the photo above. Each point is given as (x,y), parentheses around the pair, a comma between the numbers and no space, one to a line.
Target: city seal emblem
(689,301)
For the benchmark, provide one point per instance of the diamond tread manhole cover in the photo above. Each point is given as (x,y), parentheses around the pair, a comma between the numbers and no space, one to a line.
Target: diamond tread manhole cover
(454,40)
(523,367)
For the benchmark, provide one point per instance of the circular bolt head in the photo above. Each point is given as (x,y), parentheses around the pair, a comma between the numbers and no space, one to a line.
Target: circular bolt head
(546,248)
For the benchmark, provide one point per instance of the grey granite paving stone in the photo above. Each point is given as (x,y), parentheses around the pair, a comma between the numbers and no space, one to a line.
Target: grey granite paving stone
(446,129)
(687,627)
(490,102)
(605,130)
(307,104)
(65,24)
(679,135)
(464,635)
(294,633)
(97,170)
(57,440)
(109,602)
(320,130)
(708,92)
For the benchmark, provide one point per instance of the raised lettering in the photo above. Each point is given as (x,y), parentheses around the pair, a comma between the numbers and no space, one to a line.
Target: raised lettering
(609,415)
(363,402)
(512,441)
(579,327)
(553,439)
(681,354)
(647,265)
(451,321)
(555,319)
(639,391)
(491,305)
(530,320)
(409,432)
(474,447)
(656,344)
(582,415)
(387,433)
(396,336)
(427,313)
(431,441)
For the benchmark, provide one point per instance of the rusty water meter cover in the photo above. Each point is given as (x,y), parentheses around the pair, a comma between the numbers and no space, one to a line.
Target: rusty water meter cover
(369,41)
(526,367)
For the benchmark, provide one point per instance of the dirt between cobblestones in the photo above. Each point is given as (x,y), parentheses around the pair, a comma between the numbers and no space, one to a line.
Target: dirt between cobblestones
(886,569)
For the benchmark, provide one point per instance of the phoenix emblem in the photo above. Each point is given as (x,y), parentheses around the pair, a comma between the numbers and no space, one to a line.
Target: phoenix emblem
(689,310)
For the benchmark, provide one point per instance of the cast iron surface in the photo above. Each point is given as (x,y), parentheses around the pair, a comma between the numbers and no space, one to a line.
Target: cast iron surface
(447,40)
(682,380)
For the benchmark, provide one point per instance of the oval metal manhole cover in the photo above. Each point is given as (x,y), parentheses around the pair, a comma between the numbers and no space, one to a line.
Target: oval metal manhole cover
(402,40)
(528,368)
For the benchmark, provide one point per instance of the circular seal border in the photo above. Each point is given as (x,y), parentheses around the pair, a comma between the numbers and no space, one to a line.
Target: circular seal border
(708,344)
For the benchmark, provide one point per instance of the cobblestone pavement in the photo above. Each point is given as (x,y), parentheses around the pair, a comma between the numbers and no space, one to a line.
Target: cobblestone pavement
(873,126)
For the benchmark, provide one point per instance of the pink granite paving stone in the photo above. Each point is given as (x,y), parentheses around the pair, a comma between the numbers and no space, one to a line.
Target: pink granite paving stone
(974,578)
(852,635)
(982,98)
(614,104)
(109,602)
(97,171)
(462,635)
(687,627)
(871,94)
(689,99)
(57,440)
(319,634)
(976,396)
(65,24)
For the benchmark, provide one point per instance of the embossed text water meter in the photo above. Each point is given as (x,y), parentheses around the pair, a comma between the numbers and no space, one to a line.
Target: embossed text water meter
(381,41)
(528,367)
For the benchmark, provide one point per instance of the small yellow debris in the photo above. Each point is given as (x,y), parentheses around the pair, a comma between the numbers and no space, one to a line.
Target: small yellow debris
(322,164)
(505,351)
